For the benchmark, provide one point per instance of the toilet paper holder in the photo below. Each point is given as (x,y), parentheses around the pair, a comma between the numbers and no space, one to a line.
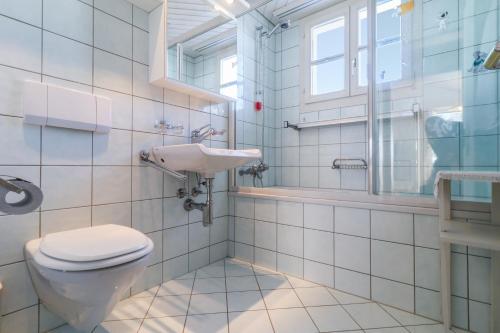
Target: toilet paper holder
(31,200)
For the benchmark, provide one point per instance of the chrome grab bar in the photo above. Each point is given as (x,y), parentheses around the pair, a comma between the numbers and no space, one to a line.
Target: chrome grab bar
(144,157)
(349,163)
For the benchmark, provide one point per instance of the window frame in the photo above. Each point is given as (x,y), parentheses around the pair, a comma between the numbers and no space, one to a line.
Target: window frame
(315,20)
(356,89)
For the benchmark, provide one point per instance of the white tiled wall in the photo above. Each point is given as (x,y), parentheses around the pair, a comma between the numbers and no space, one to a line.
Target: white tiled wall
(91,179)
(386,255)
(297,159)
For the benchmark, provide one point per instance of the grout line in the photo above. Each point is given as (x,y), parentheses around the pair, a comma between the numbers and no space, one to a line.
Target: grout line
(303,306)
(189,302)
(262,296)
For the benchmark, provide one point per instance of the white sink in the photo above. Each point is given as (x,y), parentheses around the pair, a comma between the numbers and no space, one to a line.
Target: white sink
(198,158)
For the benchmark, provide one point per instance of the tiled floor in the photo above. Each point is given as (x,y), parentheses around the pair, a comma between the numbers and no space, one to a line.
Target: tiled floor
(233,296)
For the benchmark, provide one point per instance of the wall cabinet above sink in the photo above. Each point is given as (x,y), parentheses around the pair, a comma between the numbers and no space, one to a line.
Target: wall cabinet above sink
(178,37)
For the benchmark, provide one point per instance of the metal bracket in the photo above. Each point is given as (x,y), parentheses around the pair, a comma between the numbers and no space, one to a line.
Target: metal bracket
(144,156)
(286,124)
(10,186)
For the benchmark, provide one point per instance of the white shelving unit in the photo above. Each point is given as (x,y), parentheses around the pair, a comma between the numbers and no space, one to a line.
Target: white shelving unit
(485,236)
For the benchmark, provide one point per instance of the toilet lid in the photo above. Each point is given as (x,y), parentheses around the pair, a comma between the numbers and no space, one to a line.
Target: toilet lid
(91,244)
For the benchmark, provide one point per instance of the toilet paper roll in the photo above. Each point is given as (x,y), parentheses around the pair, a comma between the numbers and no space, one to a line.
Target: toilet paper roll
(33,198)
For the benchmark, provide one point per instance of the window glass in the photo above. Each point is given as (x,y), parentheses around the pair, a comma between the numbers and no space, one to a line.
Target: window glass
(328,77)
(389,48)
(228,70)
(229,76)
(363,67)
(362,27)
(328,39)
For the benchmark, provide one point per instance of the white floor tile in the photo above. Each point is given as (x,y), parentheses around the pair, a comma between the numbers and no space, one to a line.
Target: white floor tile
(176,287)
(131,308)
(299,283)
(292,321)
(387,330)
(315,296)
(345,298)
(213,270)
(250,322)
(169,306)
(332,318)
(273,282)
(151,292)
(241,283)
(121,326)
(207,303)
(165,324)
(428,329)
(370,315)
(238,269)
(189,275)
(281,298)
(406,318)
(208,323)
(263,271)
(245,300)
(209,285)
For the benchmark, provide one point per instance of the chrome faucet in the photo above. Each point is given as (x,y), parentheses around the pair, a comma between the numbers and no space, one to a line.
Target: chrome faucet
(200,134)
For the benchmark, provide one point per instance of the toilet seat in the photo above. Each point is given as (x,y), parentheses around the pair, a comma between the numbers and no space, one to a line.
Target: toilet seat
(90,248)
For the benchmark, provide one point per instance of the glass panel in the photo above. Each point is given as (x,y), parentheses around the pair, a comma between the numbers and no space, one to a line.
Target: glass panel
(228,70)
(328,77)
(389,63)
(388,19)
(446,116)
(328,39)
(363,67)
(362,27)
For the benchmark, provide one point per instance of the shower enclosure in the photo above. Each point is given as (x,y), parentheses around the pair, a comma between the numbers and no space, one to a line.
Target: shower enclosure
(426,104)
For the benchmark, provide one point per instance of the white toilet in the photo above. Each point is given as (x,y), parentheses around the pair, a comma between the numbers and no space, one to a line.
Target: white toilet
(81,274)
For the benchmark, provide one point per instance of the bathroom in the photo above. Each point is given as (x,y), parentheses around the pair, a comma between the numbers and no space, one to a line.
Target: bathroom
(287,166)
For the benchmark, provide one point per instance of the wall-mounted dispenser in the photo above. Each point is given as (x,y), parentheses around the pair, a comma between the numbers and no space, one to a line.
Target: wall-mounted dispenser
(49,105)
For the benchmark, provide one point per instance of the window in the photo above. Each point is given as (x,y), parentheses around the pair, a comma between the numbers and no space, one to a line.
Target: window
(327,55)
(229,76)
(337,49)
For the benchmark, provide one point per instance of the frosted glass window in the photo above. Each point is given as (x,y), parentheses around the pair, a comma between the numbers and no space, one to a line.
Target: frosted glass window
(327,56)
(389,45)
(328,39)
(228,70)
(229,76)
(362,61)
(328,77)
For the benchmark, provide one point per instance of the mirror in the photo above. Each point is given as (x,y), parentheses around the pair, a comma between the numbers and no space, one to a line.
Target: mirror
(206,60)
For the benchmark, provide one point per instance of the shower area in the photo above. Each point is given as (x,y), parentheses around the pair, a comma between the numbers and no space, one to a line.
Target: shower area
(305,101)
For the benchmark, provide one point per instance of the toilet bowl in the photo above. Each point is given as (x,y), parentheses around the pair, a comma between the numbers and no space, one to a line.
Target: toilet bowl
(81,274)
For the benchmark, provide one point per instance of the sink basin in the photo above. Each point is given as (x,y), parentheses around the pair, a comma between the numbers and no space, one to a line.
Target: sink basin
(201,159)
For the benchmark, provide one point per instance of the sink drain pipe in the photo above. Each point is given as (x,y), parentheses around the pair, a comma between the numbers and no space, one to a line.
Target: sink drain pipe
(206,207)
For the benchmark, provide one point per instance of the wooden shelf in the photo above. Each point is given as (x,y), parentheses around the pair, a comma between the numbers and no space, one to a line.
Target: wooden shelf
(323,123)
(479,235)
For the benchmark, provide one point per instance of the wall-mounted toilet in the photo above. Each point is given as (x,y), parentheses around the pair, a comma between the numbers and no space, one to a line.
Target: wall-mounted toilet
(81,274)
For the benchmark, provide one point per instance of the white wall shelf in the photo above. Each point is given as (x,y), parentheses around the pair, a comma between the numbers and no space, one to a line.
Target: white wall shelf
(191,90)
(324,123)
